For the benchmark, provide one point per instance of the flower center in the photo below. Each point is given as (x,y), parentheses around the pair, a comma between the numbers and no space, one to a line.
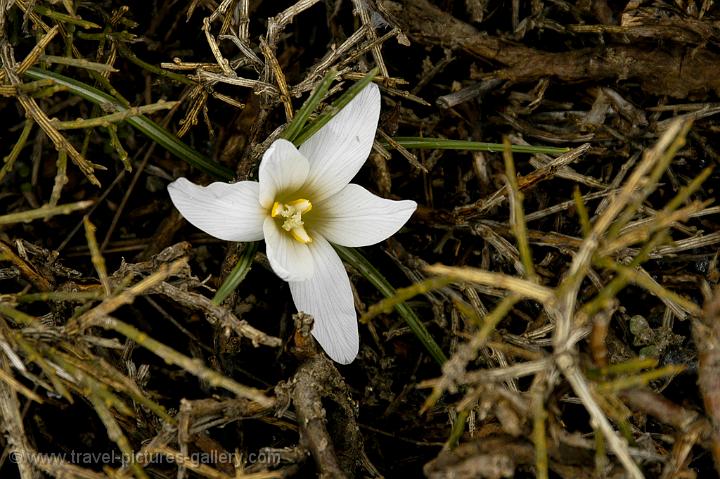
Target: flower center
(292,212)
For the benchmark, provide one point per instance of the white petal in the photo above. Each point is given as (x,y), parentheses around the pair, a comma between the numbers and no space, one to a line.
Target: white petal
(327,296)
(282,169)
(355,217)
(229,211)
(290,259)
(338,150)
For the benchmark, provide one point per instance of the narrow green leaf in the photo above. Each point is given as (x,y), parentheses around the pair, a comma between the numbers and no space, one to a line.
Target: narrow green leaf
(419,143)
(146,126)
(403,294)
(582,212)
(338,105)
(359,262)
(457,431)
(517,213)
(237,274)
(302,115)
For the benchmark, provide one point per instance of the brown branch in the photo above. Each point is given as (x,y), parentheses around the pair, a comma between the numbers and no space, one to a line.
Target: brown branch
(673,71)
(706,333)
(335,441)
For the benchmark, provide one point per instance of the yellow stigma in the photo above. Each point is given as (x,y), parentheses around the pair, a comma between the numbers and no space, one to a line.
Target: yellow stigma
(293,212)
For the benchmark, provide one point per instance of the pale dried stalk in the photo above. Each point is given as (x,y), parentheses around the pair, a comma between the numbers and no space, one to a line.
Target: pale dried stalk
(55,467)
(635,189)
(125,297)
(503,247)
(222,62)
(60,179)
(679,306)
(658,222)
(701,241)
(12,426)
(272,63)
(565,205)
(361,8)
(34,54)
(369,46)
(191,365)
(33,110)
(243,10)
(521,287)
(581,262)
(618,445)
(16,385)
(517,215)
(229,100)
(548,170)
(185,461)
(198,94)
(217,314)
(26,269)
(518,370)
(320,68)
(412,159)
(617,181)
(220,10)
(106,120)
(95,256)
(44,212)
(567,173)
(260,86)
(277,23)
(103,68)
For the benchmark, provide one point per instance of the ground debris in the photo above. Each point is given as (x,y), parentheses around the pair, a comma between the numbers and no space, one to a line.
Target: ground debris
(551,309)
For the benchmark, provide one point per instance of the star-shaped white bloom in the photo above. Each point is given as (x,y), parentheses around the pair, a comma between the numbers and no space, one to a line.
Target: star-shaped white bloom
(302,202)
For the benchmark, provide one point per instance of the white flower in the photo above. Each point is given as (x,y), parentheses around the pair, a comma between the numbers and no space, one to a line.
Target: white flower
(302,202)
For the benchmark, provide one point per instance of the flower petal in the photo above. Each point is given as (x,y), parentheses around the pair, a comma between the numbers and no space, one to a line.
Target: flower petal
(338,150)
(355,217)
(283,168)
(229,211)
(328,297)
(290,259)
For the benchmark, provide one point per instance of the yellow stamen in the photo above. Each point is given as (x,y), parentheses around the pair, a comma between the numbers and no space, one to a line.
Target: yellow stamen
(275,209)
(292,212)
(301,235)
(302,205)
